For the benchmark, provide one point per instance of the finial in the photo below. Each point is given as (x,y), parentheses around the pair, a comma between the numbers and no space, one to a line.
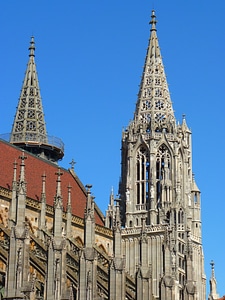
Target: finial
(117,200)
(69,198)
(22,157)
(22,167)
(88,186)
(43,182)
(58,189)
(212,264)
(212,268)
(153,21)
(72,163)
(59,173)
(32,47)
(14,170)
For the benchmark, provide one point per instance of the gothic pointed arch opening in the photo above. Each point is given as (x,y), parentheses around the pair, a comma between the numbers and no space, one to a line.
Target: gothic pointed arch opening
(163,176)
(79,241)
(142,178)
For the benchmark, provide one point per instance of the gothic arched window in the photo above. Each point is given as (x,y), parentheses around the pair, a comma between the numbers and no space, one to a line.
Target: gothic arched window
(163,171)
(180,216)
(142,178)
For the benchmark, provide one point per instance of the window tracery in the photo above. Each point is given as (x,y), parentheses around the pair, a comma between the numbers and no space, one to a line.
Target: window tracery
(31,114)
(146,105)
(19,126)
(21,114)
(143,178)
(31,102)
(31,126)
(23,103)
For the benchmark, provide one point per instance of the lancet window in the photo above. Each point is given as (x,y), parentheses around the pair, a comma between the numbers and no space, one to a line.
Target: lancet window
(163,170)
(142,178)
(180,216)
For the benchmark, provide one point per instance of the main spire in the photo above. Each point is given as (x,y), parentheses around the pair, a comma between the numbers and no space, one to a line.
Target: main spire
(29,129)
(154,110)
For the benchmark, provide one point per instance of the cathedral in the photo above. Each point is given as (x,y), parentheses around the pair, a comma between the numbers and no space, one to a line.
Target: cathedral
(56,244)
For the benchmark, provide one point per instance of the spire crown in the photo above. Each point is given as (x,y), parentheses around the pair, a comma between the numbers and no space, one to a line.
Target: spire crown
(32,47)
(153,21)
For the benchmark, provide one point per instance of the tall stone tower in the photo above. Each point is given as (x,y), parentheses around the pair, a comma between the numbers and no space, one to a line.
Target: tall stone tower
(160,201)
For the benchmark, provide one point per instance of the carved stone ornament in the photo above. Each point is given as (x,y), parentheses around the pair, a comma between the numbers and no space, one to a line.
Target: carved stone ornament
(191,288)
(89,253)
(168,281)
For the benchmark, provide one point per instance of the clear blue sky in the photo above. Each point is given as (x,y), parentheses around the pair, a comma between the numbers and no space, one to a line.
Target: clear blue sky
(89,57)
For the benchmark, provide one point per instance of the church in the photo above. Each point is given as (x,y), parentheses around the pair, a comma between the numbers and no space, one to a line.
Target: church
(56,244)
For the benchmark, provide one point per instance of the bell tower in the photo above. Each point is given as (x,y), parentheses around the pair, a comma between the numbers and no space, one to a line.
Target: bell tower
(147,144)
(158,188)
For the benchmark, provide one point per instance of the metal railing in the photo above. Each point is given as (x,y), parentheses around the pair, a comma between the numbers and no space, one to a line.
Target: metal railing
(33,138)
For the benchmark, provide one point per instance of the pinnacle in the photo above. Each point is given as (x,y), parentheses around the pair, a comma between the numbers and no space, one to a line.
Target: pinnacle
(32,47)
(153,21)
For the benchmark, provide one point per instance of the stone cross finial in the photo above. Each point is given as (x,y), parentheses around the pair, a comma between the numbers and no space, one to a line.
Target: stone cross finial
(72,163)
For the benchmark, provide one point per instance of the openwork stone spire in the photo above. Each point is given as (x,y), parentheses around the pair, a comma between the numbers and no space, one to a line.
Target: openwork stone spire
(29,123)
(154,107)
(29,129)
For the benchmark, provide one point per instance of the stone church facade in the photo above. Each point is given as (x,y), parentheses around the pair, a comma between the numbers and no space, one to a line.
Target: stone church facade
(55,243)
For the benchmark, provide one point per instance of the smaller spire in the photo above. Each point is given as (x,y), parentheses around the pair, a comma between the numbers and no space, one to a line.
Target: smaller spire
(32,47)
(69,214)
(69,209)
(117,216)
(212,269)
(12,211)
(22,165)
(58,188)
(89,198)
(43,183)
(213,285)
(14,170)
(42,225)
(153,21)
(29,128)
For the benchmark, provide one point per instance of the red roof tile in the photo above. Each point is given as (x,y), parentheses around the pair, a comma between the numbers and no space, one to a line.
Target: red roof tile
(35,167)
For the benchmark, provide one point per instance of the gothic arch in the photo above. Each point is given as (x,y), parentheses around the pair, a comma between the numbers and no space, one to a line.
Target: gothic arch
(143,177)
(180,215)
(102,248)
(163,162)
(79,241)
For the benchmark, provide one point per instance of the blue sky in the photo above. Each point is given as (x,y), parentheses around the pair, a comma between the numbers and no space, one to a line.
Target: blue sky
(89,57)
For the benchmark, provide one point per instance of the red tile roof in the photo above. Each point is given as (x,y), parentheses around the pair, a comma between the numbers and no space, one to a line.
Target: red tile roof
(35,167)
